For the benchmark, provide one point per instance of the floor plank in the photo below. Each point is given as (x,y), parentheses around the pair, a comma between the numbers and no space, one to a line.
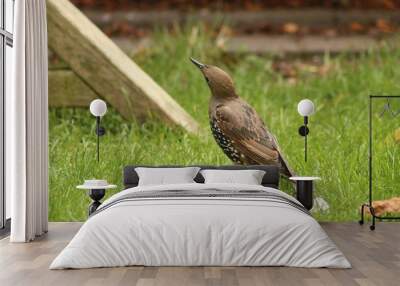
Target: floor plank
(375,257)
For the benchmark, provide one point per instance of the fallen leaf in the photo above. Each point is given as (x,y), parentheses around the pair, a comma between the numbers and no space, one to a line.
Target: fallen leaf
(384,26)
(357,27)
(308,68)
(292,81)
(285,69)
(397,135)
(290,28)
(389,4)
(330,32)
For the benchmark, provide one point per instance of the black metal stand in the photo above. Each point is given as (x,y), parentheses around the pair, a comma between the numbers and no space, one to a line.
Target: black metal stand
(304,193)
(369,204)
(100,131)
(96,195)
(303,131)
(98,137)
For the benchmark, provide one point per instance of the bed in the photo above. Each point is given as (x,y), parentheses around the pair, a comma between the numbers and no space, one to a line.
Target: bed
(201,224)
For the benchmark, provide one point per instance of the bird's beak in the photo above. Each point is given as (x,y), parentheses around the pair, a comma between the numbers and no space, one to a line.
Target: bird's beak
(197,63)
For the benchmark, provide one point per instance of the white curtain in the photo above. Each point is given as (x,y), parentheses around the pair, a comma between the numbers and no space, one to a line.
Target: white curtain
(27,124)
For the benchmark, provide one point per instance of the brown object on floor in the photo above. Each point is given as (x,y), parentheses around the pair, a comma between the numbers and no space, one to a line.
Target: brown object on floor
(385,206)
(375,258)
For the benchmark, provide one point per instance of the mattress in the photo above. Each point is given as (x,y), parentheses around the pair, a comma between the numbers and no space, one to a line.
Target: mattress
(201,225)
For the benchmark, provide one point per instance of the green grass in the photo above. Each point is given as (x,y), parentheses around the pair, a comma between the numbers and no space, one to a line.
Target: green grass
(338,143)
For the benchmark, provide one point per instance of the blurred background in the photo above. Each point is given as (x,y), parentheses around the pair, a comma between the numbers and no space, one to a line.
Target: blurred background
(260,26)
(335,53)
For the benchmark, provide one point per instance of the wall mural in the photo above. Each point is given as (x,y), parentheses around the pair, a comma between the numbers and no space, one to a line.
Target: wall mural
(257,71)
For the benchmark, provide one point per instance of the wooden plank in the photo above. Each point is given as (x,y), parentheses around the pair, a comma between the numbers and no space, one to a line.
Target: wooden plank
(276,44)
(261,44)
(244,19)
(107,70)
(55,63)
(68,90)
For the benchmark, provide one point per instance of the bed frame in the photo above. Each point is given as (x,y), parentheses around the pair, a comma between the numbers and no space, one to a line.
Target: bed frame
(270,179)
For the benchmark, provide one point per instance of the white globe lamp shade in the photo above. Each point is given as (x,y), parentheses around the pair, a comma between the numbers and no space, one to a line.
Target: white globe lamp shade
(305,107)
(98,107)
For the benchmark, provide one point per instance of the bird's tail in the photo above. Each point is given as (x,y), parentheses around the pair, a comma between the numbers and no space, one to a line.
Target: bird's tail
(285,169)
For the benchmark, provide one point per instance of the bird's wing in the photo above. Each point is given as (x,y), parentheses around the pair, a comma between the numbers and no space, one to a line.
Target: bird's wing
(247,131)
(285,166)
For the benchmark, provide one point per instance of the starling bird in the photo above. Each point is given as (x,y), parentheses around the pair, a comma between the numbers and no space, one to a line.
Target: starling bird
(236,126)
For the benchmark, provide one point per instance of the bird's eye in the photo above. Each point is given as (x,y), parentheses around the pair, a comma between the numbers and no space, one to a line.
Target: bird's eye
(207,80)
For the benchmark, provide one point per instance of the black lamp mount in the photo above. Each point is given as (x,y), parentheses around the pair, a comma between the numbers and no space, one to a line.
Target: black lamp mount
(304,131)
(100,131)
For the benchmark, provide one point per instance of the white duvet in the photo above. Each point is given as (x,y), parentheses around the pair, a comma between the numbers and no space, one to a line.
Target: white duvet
(200,231)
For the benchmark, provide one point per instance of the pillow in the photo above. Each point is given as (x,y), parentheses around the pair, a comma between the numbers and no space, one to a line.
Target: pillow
(248,177)
(165,176)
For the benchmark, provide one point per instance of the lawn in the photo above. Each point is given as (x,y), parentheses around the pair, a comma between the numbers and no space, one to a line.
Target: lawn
(338,143)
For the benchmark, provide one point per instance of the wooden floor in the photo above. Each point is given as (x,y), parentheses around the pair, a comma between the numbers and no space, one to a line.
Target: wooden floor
(375,257)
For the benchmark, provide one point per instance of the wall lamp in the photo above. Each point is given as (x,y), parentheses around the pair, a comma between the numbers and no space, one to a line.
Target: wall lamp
(305,109)
(98,108)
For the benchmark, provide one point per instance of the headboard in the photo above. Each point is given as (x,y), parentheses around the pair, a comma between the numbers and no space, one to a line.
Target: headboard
(270,179)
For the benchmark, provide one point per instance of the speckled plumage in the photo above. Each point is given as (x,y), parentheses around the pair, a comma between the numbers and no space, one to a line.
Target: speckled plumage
(235,125)
(225,143)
